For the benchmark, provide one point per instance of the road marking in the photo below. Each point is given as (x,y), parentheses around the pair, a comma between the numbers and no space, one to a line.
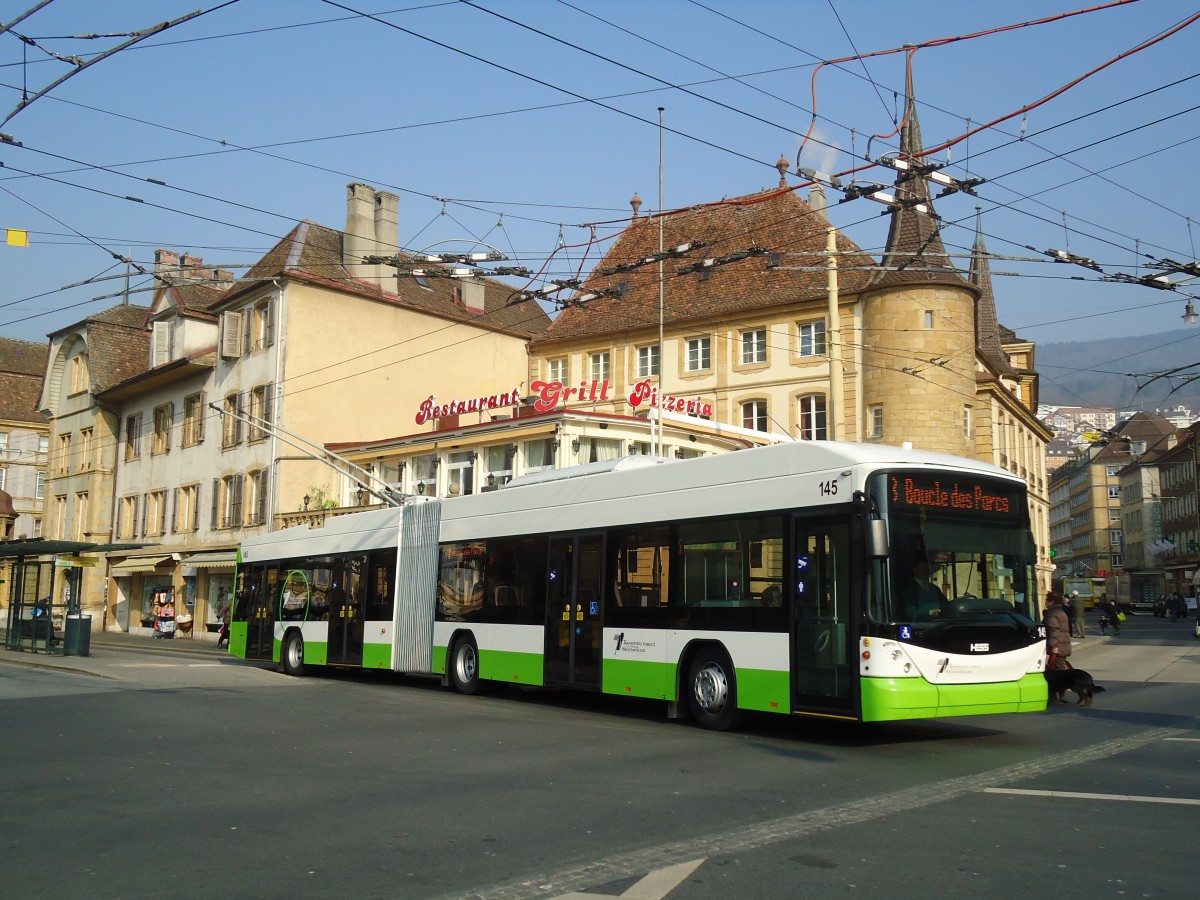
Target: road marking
(787,828)
(1184,739)
(1080,795)
(654,886)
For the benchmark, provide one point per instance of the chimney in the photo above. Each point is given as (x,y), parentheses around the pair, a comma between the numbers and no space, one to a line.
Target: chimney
(473,295)
(816,198)
(387,223)
(359,238)
(192,264)
(165,261)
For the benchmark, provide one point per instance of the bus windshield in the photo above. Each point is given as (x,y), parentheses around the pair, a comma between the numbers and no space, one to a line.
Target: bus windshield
(961,551)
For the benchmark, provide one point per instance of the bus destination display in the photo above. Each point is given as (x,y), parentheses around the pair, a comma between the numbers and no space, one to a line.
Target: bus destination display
(913,491)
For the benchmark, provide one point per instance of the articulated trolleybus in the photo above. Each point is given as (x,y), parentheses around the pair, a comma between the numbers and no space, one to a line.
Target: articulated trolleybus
(849,581)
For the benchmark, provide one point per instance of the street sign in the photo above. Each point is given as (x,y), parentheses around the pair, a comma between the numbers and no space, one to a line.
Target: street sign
(73,562)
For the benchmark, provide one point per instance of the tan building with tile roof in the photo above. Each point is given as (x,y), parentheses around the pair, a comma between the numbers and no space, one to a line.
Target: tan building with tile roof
(315,343)
(749,331)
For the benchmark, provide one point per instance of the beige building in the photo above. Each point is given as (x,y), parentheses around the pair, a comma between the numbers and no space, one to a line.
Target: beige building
(1086,498)
(202,416)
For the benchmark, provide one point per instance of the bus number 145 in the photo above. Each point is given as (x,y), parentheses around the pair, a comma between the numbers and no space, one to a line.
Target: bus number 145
(828,488)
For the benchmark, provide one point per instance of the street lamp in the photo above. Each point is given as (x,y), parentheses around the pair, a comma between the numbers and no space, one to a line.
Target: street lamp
(1189,314)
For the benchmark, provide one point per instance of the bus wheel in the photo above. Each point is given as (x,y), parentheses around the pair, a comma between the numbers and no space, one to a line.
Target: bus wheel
(712,690)
(292,655)
(464,666)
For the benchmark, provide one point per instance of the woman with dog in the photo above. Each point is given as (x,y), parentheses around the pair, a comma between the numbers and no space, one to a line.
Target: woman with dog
(1058,632)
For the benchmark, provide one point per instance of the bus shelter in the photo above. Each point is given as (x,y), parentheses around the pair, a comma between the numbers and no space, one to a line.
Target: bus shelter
(42,570)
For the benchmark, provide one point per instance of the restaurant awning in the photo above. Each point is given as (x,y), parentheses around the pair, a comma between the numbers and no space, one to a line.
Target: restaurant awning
(213,559)
(141,564)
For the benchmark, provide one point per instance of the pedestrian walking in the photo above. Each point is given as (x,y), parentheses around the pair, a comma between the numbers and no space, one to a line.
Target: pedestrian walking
(1078,609)
(1058,632)
(1111,613)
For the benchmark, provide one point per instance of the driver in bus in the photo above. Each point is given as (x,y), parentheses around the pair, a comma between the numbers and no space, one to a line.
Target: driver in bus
(920,599)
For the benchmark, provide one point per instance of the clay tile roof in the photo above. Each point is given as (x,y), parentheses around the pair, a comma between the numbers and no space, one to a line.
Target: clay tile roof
(315,251)
(19,394)
(118,345)
(24,357)
(777,220)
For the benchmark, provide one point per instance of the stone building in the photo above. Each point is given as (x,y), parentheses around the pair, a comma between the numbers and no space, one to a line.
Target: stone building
(756,331)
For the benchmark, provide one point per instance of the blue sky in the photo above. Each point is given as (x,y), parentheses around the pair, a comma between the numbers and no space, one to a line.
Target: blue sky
(258,113)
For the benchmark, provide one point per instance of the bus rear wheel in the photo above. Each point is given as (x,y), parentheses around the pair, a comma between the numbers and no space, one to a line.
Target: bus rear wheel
(712,690)
(464,666)
(291,658)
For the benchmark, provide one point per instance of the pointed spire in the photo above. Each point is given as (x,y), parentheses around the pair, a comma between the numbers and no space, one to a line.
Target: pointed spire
(987,326)
(914,243)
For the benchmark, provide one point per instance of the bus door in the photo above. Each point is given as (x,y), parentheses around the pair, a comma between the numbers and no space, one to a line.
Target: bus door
(255,605)
(346,586)
(824,651)
(574,595)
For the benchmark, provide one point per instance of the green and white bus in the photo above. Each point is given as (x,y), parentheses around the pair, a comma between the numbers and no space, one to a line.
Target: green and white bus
(851,581)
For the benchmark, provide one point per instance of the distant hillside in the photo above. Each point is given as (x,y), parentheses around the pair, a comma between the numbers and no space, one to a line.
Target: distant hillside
(1093,373)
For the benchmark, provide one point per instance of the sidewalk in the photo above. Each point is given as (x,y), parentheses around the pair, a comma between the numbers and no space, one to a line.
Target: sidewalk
(105,645)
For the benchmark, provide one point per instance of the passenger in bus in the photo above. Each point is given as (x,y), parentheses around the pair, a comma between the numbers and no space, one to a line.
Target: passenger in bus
(920,599)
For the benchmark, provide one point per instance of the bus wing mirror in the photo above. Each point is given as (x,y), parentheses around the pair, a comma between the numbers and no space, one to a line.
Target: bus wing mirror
(877,538)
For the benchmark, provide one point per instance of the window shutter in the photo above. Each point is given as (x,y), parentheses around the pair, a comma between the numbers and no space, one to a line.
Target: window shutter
(161,353)
(203,414)
(145,512)
(174,510)
(269,404)
(196,509)
(270,323)
(239,405)
(216,488)
(162,512)
(262,496)
(231,335)
(117,520)
(235,508)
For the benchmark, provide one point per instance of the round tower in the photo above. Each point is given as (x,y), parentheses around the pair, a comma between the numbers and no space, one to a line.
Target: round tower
(918,320)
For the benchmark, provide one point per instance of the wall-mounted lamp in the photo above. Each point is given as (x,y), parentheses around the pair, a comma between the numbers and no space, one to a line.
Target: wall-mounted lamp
(575,445)
(679,453)
(603,425)
(360,493)
(420,487)
(400,466)
(437,461)
(491,479)
(692,438)
(307,500)
(554,442)
(512,449)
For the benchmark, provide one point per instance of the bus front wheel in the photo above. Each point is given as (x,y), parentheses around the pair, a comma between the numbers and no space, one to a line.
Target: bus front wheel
(464,666)
(292,655)
(712,690)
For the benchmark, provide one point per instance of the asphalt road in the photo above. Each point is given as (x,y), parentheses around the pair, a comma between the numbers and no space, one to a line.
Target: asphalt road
(173,771)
